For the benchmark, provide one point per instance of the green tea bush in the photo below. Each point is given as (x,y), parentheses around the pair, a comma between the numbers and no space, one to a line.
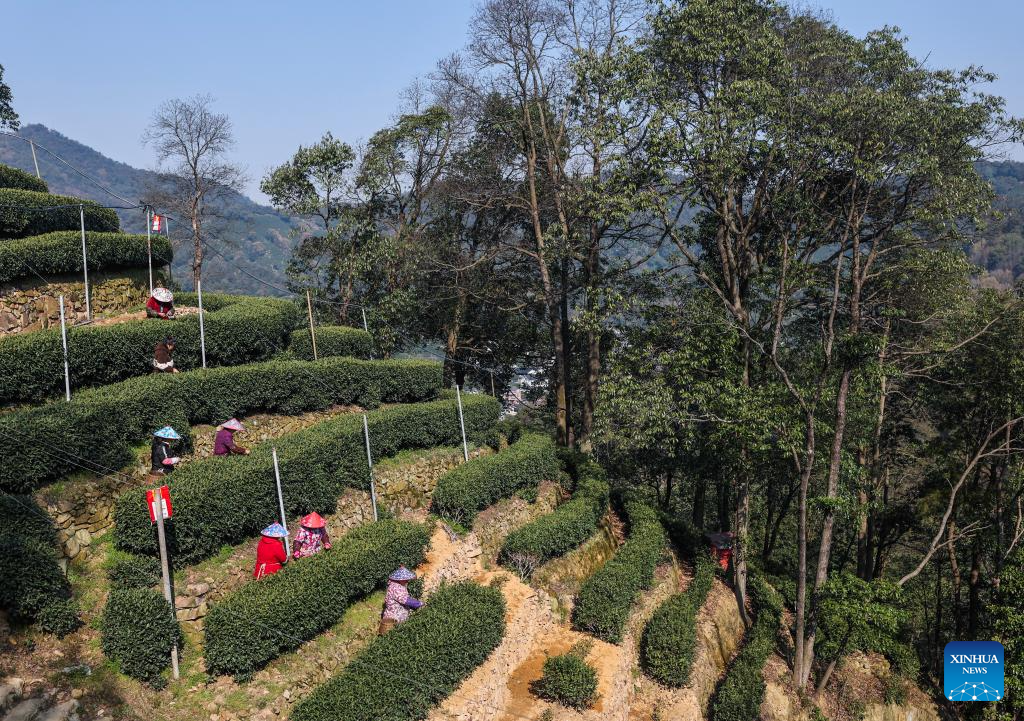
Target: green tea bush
(402,675)
(224,500)
(332,340)
(18,178)
(670,637)
(100,425)
(466,490)
(21,214)
(603,603)
(127,571)
(237,640)
(34,587)
(740,693)
(137,630)
(559,532)
(61,252)
(569,680)
(32,364)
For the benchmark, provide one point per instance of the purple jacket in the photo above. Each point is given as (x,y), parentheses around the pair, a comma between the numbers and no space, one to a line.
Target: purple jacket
(224,443)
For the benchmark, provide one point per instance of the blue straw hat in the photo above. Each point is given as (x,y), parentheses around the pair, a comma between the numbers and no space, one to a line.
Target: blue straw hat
(275,530)
(402,574)
(167,432)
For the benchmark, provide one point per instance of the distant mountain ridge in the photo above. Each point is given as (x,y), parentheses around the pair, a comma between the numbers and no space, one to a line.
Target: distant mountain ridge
(258,239)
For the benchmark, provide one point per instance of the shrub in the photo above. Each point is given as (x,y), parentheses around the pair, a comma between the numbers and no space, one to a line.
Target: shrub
(569,680)
(740,694)
(21,214)
(137,630)
(34,587)
(224,500)
(18,178)
(603,604)
(332,340)
(559,532)
(121,414)
(670,636)
(402,675)
(127,572)
(237,641)
(32,364)
(61,252)
(468,489)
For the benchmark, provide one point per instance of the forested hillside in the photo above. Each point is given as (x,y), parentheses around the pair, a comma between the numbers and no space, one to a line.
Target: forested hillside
(252,237)
(1000,249)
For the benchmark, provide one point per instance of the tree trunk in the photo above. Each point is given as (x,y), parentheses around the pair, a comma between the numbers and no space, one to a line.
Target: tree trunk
(591,270)
(801,581)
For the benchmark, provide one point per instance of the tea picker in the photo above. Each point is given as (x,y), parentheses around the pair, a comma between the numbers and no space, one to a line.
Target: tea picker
(160,304)
(270,553)
(162,460)
(397,601)
(312,537)
(224,443)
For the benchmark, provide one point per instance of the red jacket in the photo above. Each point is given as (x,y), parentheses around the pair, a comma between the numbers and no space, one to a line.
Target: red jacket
(270,556)
(158,308)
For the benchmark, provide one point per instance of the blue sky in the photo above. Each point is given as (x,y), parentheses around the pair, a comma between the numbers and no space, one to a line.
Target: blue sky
(287,72)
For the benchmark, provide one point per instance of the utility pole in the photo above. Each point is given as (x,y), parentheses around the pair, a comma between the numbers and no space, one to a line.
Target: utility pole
(149,245)
(280,502)
(64,340)
(369,461)
(202,330)
(158,503)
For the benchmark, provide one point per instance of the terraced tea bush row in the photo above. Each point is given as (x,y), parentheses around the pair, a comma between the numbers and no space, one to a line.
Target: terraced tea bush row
(61,252)
(224,500)
(34,588)
(314,591)
(32,364)
(137,630)
(740,693)
(670,637)
(101,424)
(603,604)
(402,675)
(17,178)
(21,216)
(470,488)
(559,532)
(332,340)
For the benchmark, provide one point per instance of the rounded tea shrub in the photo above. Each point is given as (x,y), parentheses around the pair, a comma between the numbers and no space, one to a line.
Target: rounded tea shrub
(137,630)
(569,680)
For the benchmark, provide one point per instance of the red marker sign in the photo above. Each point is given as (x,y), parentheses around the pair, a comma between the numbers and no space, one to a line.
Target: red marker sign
(158,222)
(165,502)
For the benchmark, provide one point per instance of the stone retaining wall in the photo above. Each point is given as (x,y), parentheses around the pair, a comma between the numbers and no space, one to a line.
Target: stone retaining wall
(32,304)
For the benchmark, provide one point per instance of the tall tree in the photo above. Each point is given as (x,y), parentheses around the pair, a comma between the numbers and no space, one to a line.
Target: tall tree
(8,118)
(192,144)
(318,184)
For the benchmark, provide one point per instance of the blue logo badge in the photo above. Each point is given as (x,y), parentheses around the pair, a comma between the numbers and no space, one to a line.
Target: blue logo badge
(973,671)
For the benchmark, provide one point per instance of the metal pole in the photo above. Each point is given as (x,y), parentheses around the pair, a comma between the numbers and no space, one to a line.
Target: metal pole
(493,394)
(366,328)
(149,246)
(34,161)
(64,340)
(312,330)
(280,502)
(202,330)
(158,502)
(170,265)
(369,461)
(85,264)
(462,425)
